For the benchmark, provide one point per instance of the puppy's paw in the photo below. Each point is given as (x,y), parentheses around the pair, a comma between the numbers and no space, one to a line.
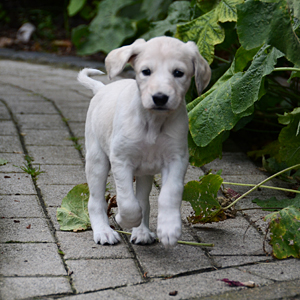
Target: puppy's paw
(169,232)
(106,236)
(129,216)
(142,235)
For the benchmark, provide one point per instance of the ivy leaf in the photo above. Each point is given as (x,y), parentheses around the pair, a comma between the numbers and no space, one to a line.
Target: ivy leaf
(203,197)
(268,23)
(73,213)
(284,229)
(289,137)
(247,89)
(178,13)
(272,203)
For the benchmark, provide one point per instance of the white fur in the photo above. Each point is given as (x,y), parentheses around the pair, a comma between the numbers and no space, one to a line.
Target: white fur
(127,132)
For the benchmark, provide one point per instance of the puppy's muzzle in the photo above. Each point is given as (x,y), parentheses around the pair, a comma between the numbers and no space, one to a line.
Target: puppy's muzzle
(160,100)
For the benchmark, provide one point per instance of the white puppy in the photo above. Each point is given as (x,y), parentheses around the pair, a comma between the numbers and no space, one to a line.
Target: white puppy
(139,128)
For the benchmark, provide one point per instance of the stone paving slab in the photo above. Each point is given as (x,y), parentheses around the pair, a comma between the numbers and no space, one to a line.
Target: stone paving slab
(10,144)
(14,160)
(13,288)
(31,259)
(7,128)
(20,206)
(16,184)
(25,230)
(93,274)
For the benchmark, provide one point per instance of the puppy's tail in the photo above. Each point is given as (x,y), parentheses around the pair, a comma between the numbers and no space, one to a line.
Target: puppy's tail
(84,79)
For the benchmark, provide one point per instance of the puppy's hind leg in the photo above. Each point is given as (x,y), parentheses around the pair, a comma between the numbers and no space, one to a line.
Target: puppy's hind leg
(142,234)
(97,168)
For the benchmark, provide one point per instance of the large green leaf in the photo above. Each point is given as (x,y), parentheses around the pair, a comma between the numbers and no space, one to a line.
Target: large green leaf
(178,13)
(213,114)
(206,31)
(154,9)
(200,156)
(247,89)
(284,229)
(203,197)
(108,30)
(73,214)
(75,6)
(289,137)
(275,204)
(268,23)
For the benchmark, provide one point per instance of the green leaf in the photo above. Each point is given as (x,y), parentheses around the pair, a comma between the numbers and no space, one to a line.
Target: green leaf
(73,213)
(272,203)
(108,30)
(200,156)
(75,6)
(178,13)
(154,9)
(284,229)
(206,31)
(247,90)
(289,137)
(213,114)
(203,197)
(3,161)
(268,23)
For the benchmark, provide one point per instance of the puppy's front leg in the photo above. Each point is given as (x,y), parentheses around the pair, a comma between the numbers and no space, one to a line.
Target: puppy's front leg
(169,202)
(129,211)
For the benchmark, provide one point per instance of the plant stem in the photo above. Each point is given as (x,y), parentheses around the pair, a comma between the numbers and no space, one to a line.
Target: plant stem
(263,186)
(179,242)
(222,59)
(287,69)
(261,183)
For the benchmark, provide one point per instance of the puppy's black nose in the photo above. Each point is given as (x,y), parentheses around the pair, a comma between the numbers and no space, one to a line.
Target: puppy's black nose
(160,99)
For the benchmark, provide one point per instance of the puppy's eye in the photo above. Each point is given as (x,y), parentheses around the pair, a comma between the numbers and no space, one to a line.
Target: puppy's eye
(146,72)
(178,73)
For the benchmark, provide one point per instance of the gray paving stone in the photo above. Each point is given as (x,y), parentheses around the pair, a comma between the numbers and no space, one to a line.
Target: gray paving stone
(55,155)
(53,194)
(78,129)
(13,160)
(16,184)
(62,174)
(7,128)
(25,230)
(40,121)
(12,288)
(223,261)
(75,114)
(106,294)
(36,137)
(4,113)
(20,206)
(233,164)
(78,245)
(190,287)
(92,274)
(52,215)
(231,237)
(279,270)
(30,260)
(160,262)
(32,107)
(10,144)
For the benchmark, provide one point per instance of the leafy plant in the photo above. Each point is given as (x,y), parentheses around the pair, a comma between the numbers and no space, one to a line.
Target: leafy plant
(32,171)
(284,224)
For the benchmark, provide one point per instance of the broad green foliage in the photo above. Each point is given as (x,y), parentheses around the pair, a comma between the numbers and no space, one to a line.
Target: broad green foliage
(284,229)
(73,214)
(178,13)
(75,6)
(203,197)
(206,31)
(269,23)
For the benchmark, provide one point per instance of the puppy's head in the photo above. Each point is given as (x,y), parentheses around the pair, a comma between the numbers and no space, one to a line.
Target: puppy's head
(164,67)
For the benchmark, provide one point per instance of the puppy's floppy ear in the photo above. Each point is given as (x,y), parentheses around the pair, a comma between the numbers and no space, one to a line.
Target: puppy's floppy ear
(201,68)
(117,59)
